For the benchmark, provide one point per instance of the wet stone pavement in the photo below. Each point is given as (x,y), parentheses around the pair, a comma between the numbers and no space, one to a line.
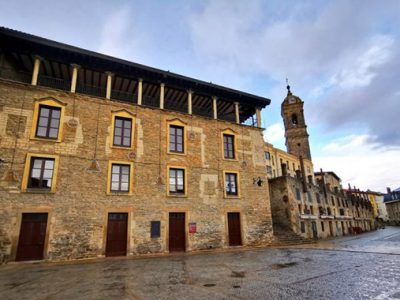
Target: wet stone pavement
(345,268)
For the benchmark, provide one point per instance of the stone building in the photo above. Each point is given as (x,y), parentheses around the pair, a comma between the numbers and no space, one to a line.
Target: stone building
(364,219)
(392,202)
(383,216)
(279,161)
(307,203)
(104,157)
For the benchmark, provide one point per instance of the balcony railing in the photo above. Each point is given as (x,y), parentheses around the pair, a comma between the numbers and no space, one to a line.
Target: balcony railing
(57,83)
(91,90)
(151,101)
(170,104)
(119,95)
(15,75)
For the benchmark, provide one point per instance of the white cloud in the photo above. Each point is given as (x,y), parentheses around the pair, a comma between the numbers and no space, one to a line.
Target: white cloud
(348,143)
(360,161)
(274,133)
(122,37)
(362,69)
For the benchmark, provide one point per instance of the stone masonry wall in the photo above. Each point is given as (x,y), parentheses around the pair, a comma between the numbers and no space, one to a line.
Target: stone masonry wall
(79,207)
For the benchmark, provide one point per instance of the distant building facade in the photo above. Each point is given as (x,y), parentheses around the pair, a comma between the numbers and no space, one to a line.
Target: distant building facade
(392,202)
(310,204)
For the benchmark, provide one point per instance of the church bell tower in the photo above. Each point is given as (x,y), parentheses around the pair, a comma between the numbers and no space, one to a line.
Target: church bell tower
(295,126)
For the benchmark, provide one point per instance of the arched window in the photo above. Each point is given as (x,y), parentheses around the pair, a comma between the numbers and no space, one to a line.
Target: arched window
(294,119)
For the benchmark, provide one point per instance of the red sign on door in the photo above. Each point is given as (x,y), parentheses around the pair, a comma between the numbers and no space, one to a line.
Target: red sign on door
(192,227)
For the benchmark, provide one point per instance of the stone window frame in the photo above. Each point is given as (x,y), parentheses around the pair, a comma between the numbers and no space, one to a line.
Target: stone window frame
(27,172)
(302,227)
(298,194)
(318,197)
(177,123)
(185,181)
(238,185)
(230,132)
(109,174)
(267,155)
(125,115)
(309,197)
(269,170)
(53,103)
(124,126)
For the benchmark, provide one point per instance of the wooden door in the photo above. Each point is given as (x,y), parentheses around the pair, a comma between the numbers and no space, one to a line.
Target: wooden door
(314,229)
(177,235)
(32,236)
(117,234)
(330,228)
(235,237)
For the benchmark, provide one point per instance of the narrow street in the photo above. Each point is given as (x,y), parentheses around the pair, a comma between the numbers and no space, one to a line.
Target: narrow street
(354,267)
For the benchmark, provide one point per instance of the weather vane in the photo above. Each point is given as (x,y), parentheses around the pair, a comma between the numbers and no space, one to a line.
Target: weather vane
(288,86)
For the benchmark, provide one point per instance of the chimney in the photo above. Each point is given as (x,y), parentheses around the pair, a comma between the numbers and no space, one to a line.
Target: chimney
(388,190)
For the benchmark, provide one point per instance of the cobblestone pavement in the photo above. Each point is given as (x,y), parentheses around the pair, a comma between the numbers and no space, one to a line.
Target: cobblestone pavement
(332,272)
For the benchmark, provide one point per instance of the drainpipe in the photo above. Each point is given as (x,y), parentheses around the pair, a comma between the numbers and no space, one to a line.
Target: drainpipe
(303,173)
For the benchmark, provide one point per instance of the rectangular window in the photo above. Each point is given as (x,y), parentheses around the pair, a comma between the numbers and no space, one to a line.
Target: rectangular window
(48,122)
(120,178)
(41,173)
(317,195)
(269,170)
(322,226)
(231,184)
(176,181)
(229,146)
(303,228)
(155,229)
(321,210)
(122,132)
(311,210)
(176,141)
(309,196)
(267,155)
(298,195)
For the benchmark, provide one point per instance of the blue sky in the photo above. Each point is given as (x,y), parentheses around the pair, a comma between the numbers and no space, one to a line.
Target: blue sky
(341,57)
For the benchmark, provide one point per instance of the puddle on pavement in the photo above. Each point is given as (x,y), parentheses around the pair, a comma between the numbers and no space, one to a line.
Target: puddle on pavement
(238,274)
(307,259)
(209,284)
(284,265)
